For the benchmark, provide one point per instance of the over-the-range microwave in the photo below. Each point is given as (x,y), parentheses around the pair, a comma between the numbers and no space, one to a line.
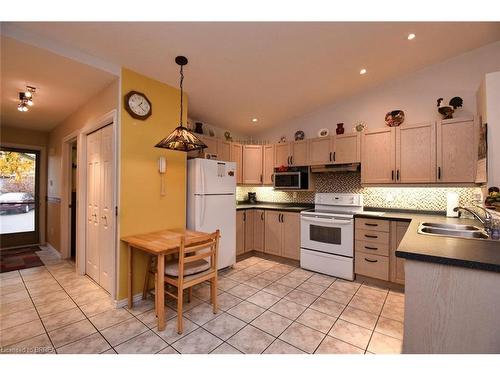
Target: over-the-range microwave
(296,178)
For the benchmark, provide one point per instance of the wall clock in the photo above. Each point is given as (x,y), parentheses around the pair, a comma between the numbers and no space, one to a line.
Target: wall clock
(138,105)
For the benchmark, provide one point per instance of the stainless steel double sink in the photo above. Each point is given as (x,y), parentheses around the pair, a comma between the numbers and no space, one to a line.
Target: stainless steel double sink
(452,230)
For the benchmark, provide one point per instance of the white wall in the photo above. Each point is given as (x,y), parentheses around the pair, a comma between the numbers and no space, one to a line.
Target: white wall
(493,120)
(416,94)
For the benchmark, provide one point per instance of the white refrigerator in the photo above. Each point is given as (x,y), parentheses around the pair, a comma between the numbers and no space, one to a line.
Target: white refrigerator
(211,203)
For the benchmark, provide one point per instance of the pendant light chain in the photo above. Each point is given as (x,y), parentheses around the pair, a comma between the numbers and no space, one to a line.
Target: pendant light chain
(182,94)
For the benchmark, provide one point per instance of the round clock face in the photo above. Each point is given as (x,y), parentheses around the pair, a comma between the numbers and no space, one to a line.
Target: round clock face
(138,105)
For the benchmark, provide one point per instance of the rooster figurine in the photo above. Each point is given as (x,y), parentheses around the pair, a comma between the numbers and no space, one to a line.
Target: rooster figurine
(447,110)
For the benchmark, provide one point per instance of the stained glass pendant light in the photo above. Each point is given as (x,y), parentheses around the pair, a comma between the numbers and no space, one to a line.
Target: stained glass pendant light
(181,139)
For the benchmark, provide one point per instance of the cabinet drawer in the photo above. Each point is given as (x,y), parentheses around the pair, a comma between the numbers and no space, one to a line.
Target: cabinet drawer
(370,265)
(372,247)
(372,236)
(373,224)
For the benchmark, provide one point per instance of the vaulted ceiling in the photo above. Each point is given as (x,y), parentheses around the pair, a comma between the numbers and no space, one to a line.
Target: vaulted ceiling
(270,71)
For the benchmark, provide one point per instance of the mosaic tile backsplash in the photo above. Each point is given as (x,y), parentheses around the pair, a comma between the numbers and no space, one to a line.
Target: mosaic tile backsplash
(414,198)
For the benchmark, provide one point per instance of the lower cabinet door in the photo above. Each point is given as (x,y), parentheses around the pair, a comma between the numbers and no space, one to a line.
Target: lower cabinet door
(291,235)
(397,265)
(240,232)
(249,240)
(273,232)
(258,229)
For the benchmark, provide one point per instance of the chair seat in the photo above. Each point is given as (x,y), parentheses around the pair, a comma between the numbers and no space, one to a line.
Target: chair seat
(172,267)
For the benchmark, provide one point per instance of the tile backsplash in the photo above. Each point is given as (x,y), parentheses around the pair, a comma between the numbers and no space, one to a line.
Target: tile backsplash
(415,198)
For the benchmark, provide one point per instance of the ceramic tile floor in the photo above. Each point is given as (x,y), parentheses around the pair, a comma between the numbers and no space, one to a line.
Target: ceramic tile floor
(265,307)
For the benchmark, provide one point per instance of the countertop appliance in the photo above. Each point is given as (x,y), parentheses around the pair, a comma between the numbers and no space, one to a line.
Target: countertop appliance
(252,197)
(211,203)
(327,234)
(294,178)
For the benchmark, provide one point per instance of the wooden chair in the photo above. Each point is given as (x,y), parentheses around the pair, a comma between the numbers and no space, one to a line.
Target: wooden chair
(196,264)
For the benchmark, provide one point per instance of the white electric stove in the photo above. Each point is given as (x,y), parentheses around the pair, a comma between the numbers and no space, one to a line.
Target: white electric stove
(327,234)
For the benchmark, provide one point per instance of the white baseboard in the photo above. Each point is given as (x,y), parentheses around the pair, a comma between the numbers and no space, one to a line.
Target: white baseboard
(124,302)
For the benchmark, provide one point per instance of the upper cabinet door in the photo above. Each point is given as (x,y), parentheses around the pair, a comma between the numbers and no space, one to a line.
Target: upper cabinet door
(347,148)
(252,164)
(378,162)
(281,154)
(456,151)
(321,151)
(268,164)
(416,153)
(299,153)
(237,157)
(223,150)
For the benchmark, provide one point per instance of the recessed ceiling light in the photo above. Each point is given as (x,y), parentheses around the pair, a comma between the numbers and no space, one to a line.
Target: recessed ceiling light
(362,71)
(254,120)
(411,36)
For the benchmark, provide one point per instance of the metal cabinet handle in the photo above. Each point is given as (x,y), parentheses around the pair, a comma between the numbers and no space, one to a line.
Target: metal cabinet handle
(261,179)
(392,175)
(334,156)
(371,260)
(330,156)
(291,159)
(262,216)
(244,216)
(397,175)
(439,173)
(371,248)
(370,236)
(371,224)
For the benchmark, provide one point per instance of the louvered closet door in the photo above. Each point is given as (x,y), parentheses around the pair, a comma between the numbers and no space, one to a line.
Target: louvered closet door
(93,205)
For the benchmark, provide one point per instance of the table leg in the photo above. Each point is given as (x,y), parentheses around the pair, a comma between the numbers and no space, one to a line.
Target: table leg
(160,292)
(130,258)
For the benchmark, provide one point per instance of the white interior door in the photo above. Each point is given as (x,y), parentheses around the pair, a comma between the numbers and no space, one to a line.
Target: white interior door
(107,216)
(93,183)
(100,239)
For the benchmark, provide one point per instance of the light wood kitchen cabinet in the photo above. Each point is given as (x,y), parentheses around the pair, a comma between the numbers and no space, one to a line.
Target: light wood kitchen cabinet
(282,234)
(252,164)
(346,148)
(320,151)
(240,232)
(281,154)
(456,151)
(258,229)
(211,143)
(291,235)
(268,164)
(378,156)
(273,233)
(299,153)
(372,240)
(237,157)
(223,150)
(249,236)
(416,153)
(397,265)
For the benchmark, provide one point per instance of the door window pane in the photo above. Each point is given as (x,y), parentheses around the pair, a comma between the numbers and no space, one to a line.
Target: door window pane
(17,191)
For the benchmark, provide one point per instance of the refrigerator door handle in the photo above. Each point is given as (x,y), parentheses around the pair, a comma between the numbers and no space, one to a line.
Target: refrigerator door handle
(202,210)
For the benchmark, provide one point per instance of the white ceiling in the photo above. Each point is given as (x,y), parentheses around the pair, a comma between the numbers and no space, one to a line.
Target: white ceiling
(272,71)
(62,85)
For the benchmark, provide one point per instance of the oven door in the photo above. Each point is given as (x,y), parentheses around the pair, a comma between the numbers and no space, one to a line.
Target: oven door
(328,234)
(287,180)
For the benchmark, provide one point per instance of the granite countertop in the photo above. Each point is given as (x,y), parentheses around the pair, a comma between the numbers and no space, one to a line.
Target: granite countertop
(461,252)
(294,207)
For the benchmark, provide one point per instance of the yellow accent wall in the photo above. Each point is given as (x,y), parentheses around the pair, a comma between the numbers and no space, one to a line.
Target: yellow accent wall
(142,208)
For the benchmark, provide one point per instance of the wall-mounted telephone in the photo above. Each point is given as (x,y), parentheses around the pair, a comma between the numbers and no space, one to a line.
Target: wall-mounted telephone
(162,169)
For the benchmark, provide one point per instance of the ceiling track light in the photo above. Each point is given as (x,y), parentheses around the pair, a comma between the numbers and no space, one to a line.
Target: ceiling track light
(26,99)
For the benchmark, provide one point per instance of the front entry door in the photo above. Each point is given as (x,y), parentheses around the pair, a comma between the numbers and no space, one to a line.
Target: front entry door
(100,238)
(19,197)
